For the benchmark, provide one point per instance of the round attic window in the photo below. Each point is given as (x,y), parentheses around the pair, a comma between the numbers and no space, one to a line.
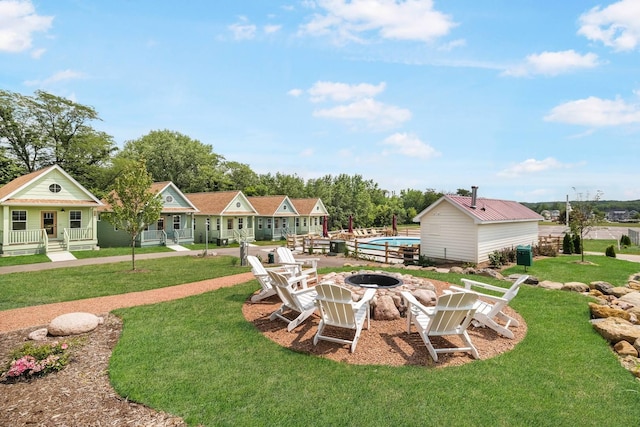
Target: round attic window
(238,205)
(55,188)
(169,199)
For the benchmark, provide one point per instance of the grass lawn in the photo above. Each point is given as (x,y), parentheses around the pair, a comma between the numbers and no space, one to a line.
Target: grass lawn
(598,245)
(105,252)
(23,259)
(200,359)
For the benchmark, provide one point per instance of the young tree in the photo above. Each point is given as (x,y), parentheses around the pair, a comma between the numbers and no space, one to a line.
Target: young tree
(582,218)
(133,205)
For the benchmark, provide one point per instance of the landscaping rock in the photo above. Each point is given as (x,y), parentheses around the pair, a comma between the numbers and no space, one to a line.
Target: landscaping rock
(38,334)
(73,324)
(634,284)
(603,287)
(632,298)
(619,291)
(488,272)
(547,284)
(456,270)
(532,280)
(575,287)
(623,348)
(425,296)
(614,329)
(604,311)
(385,309)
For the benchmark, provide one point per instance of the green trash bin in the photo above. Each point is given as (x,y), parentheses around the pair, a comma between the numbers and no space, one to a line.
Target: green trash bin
(524,256)
(337,246)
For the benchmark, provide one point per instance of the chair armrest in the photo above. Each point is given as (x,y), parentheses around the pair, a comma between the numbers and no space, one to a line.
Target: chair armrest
(368,296)
(408,296)
(304,291)
(480,294)
(469,283)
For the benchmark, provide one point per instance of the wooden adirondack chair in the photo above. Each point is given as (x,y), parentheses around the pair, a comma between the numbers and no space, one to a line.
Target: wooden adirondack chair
(338,309)
(286,258)
(300,301)
(451,316)
(489,308)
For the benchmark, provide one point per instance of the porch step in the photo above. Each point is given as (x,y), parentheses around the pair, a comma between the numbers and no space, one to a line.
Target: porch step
(60,256)
(55,246)
(177,248)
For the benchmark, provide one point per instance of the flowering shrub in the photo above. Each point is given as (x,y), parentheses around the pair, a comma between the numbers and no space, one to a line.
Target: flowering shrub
(31,361)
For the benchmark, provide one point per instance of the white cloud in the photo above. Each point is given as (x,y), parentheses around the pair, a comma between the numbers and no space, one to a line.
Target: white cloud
(616,26)
(270,29)
(553,63)
(447,47)
(342,92)
(307,152)
(18,20)
(57,77)
(410,145)
(595,111)
(346,20)
(243,30)
(530,166)
(376,115)
(295,92)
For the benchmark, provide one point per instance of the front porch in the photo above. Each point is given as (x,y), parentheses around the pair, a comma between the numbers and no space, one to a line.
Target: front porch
(38,241)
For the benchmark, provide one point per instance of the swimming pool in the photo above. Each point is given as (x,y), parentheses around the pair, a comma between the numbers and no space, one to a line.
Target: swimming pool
(394,242)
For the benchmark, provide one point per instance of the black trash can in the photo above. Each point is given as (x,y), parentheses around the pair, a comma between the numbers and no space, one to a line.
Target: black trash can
(271,258)
(337,246)
(222,242)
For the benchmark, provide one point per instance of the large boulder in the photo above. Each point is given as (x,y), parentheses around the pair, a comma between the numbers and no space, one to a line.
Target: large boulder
(73,324)
(601,286)
(632,298)
(548,284)
(425,296)
(623,348)
(604,311)
(385,309)
(619,291)
(575,287)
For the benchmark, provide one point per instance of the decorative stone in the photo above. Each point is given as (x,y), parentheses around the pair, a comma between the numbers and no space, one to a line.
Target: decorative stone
(548,284)
(488,272)
(425,296)
(603,311)
(38,334)
(632,298)
(456,270)
(614,329)
(623,348)
(385,309)
(73,324)
(634,284)
(603,287)
(619,291)
(575,287)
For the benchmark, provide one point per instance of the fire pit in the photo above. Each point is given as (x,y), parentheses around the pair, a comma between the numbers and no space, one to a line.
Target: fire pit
(375,281)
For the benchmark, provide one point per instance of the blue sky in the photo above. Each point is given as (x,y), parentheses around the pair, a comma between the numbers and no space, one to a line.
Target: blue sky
(530,100)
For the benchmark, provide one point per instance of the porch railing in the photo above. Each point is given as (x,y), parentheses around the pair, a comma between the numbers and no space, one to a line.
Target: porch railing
(19,237)
(182,234)
(153,236)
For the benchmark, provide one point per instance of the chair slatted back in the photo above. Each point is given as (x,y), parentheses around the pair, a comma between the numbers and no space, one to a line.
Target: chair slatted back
(452,313)
(283,288)
(335,304)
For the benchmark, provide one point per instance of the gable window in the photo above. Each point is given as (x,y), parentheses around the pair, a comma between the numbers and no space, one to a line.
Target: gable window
(176,222)
(230,224)
(55,188)
(75,219)
(240,223)
(18,220)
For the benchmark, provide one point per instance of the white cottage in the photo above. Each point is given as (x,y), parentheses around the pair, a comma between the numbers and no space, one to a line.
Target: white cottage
(468,229)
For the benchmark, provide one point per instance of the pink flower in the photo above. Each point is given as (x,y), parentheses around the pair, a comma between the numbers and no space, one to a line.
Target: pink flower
(64,346)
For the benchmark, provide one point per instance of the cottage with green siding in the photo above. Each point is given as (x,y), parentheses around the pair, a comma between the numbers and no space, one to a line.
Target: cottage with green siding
(277,217)
(46,211)
(311,213)
(223,216)
(174,227)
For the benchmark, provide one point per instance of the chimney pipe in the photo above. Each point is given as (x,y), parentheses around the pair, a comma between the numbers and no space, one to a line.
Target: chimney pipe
(474,195)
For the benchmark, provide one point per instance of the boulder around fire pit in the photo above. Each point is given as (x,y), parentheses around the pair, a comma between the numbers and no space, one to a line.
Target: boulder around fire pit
(375,281)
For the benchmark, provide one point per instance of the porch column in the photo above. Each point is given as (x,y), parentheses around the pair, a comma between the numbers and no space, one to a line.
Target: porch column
(5,225)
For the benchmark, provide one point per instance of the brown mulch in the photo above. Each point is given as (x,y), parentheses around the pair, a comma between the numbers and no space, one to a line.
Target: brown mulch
(81,394)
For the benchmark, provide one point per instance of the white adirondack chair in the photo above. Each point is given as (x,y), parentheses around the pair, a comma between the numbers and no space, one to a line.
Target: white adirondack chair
(286,258)
(451,316)
(300,301)
(260,273)
(489,308)
(338,309)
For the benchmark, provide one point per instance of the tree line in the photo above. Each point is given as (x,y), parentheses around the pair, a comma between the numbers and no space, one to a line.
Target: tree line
(43,129)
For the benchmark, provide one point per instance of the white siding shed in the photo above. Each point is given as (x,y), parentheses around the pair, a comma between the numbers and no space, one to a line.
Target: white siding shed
(468,229)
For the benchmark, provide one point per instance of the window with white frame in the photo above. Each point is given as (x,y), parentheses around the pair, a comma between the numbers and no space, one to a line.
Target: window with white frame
(297,221)
(18,220)
(230,224)
(268,222)
(259,223)
(240,223)
(208,224)
(75,219)
(218,224)
(304,222)
(160,223)
(176,222)
(277,223)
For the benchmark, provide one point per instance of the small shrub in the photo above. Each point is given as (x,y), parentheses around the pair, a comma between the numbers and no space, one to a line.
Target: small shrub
(310,250)
(346,251)
(425,261)
(495,259)
(577,244)
(610,251)
(625,240)
(567,245)
(234,261)
(545,250)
